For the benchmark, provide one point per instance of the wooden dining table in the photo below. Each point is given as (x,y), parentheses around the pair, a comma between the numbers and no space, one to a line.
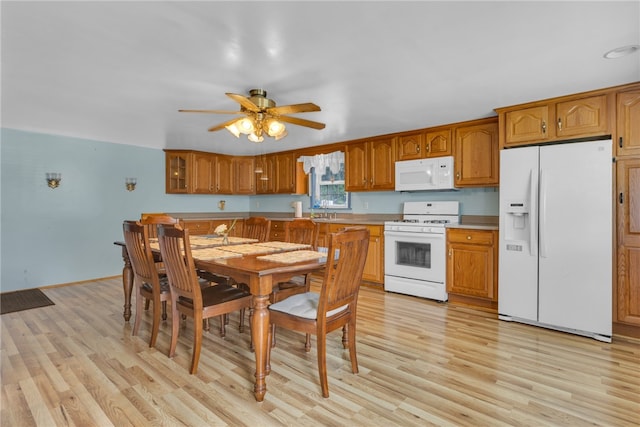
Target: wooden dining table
(259,274)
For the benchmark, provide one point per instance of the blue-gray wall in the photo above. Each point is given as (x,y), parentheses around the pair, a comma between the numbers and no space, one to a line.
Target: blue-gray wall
(53,236)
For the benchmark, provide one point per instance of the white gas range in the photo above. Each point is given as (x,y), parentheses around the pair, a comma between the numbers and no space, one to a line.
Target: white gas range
(415,246)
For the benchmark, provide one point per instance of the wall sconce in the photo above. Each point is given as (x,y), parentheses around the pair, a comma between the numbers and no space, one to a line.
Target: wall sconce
(130,183)
(53,179)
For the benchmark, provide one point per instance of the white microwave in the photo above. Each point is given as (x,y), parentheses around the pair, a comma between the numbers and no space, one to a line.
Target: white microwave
(425,174)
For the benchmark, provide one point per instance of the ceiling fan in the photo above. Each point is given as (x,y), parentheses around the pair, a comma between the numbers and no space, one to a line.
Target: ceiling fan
(262,116)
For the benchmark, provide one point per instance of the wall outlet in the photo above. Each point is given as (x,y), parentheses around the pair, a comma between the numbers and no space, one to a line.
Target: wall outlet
(257,204)
(366,205)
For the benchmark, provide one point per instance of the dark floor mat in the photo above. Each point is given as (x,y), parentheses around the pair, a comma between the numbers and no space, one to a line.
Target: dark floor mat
(23,300)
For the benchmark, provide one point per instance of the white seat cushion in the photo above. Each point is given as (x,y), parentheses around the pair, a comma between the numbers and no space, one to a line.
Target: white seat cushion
(303,305)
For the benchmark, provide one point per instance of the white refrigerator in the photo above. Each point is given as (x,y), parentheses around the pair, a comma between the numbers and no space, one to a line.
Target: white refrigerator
(555,255)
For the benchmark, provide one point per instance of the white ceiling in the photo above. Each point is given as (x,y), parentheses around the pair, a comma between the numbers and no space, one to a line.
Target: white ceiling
(119,71)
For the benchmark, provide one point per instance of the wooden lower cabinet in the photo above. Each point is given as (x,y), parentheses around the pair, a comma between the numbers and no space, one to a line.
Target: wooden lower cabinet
(374,266)
(627,295)
(277,231)
(196,226)
(472,267)
(207,226)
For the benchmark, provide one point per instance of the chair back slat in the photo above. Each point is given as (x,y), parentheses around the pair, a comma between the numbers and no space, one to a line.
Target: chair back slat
(303,231)
(179,262)
(342,280)
(257,227)
(136,239)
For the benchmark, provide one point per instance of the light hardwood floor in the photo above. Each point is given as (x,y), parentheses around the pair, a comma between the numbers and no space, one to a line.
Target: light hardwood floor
(421,363)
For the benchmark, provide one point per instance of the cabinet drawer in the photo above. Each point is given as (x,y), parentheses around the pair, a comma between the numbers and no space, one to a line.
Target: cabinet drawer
(197,227)
(478,237)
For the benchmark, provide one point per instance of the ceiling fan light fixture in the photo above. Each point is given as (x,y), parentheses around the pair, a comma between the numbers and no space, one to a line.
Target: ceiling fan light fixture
(255,138)
(246,125)
(233,128)
(275,128)
(281,135)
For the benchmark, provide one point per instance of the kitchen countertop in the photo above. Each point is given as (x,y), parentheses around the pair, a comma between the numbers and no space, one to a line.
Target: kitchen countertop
(474,226)
(363,219)
(476,222)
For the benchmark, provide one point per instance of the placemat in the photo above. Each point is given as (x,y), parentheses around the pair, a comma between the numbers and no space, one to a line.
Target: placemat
(213,253)
(251,249)
(198,242)
(217,240)
(293,257)
(285,246)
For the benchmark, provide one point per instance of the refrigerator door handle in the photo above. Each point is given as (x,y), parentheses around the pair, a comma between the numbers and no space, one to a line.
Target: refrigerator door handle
(543,213)
(533,192)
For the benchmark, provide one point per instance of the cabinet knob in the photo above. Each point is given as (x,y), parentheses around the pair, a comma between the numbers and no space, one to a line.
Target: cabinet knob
(468,237)
(457,175)
(544,127)
(418,149)
(559,123)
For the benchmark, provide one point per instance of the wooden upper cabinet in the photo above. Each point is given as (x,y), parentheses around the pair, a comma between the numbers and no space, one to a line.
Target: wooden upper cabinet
(370,165)
(424,143)
(265,181)
(628,126)
(527,124)
(224,174)
(285,173)
(356,166)
(245,176)
(177,171)
(382,164)
(204,173)
(410,146)
(476,154)
(554,120)
(582,117)
(438,143)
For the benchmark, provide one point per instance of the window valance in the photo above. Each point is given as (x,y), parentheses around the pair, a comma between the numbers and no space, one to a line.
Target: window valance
(321,161)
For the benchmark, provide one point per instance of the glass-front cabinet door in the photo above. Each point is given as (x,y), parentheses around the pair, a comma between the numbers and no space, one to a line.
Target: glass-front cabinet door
(177,178)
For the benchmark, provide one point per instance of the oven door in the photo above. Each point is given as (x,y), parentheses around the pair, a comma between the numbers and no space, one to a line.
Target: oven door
(419,256)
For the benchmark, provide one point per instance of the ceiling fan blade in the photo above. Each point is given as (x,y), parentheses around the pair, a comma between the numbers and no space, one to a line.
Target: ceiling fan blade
(294,108)
(222,125)
(301,122)
(244,101)
(212,111)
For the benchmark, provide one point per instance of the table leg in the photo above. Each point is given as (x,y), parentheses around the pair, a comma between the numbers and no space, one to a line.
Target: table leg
(260,331)
(127,283)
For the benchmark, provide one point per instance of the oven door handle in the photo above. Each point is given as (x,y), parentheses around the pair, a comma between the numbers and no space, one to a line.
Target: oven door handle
(421,236)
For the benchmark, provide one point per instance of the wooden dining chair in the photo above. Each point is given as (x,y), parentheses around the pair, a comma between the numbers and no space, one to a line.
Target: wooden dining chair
(257,227)
(153,219)
(335,306)
(187,297)
(149,284)
(305,231)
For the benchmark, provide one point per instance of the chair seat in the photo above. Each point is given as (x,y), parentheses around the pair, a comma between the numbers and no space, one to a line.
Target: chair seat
(164,285)
(295,282)
(218,294)
(303,305)
(210,277)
